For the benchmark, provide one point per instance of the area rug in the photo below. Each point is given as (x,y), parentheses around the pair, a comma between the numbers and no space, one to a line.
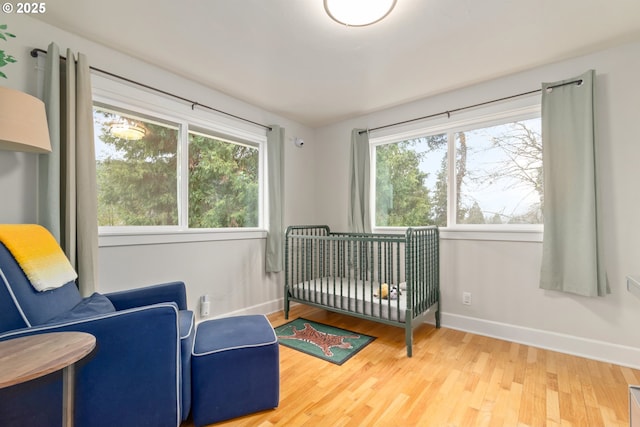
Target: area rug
(326,342)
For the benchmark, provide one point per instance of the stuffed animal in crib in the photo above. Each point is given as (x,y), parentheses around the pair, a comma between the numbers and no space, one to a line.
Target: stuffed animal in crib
(394,292)
(384,291)
(387,292)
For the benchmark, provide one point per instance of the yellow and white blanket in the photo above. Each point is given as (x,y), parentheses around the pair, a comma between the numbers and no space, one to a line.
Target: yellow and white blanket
(38,254)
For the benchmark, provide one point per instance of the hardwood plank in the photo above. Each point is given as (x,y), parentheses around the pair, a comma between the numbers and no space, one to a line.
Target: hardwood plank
(453,378)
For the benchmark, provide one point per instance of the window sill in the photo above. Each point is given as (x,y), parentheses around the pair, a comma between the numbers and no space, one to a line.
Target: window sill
(494,235)
(155,237)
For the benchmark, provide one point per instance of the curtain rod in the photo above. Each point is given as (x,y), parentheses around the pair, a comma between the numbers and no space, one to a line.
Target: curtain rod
(448,112)
(36,51)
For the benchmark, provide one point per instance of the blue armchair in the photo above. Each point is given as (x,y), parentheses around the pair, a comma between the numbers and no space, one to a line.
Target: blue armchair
(138,375)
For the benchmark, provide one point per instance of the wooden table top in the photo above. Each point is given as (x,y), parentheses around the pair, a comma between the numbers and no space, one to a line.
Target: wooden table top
(26,358)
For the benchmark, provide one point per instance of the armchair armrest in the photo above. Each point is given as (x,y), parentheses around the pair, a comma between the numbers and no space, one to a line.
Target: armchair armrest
(167,292)
(131,378)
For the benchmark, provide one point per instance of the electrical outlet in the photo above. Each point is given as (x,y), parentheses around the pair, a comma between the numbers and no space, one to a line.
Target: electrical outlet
(466,298)
(205,306)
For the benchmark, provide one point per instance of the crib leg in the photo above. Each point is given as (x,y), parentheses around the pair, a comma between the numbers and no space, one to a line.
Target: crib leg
(438,316)
(409,339)
(286,304)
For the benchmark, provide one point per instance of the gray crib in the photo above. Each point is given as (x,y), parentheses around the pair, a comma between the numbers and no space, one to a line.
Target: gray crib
(344,272)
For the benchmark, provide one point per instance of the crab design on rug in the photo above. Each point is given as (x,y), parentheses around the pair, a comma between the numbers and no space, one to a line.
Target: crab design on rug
(322,340)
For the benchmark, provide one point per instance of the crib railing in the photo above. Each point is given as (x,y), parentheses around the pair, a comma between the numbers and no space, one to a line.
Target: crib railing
(423,267)
(350,267)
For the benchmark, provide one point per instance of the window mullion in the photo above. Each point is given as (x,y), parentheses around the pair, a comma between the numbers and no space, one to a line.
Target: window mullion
(451,187)
(372,184)
(183,176)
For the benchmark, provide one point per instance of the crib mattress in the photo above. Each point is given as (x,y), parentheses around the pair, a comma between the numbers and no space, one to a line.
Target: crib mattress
(355,296)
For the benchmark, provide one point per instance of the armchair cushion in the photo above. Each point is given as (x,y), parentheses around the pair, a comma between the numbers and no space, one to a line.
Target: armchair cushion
(91,306)
(33,307)
(165,292)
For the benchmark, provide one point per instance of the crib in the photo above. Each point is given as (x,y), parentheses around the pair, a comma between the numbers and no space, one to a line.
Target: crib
(346,273)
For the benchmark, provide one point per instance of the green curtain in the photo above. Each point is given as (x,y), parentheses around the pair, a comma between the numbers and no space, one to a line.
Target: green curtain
(67,196)
(275,181)
(572,258)
(359,220)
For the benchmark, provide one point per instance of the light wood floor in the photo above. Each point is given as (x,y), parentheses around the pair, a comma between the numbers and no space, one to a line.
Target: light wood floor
(453,379)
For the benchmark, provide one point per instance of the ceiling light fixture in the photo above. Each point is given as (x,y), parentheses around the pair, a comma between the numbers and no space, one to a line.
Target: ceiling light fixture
(358,13)
(125,130)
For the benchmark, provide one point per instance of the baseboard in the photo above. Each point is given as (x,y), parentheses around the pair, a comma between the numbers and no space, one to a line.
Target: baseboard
(264,308)
(583,347)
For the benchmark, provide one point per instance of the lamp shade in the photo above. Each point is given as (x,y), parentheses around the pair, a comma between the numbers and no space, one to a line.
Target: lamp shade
(23,122)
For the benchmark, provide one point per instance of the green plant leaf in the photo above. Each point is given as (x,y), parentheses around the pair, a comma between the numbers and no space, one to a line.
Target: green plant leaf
(4,58)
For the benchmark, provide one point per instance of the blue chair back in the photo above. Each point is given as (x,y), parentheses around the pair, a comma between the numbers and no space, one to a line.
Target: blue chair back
(21,305)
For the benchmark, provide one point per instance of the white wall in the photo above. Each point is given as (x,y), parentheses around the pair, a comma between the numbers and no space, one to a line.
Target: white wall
(503,276)
(230,271)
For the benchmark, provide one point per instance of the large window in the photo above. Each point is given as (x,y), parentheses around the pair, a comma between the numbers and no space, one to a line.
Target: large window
(483,174)
(159,173)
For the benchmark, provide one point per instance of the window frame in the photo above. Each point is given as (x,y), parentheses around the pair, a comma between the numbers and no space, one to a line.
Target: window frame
(111,94)
(503,113)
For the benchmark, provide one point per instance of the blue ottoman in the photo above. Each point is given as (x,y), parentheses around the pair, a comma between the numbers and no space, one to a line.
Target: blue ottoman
(235,368)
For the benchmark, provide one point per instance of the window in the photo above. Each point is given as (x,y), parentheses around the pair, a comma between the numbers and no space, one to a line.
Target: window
(160,170)
(499,174)
(137,178)
(411,182)
(484,173)
(223,183)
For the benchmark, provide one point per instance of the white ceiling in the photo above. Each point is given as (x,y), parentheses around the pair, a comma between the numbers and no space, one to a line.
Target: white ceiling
(289,57)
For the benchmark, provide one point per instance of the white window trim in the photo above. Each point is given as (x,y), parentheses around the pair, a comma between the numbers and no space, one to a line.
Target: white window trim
(520,109)
(155,237)
(111,93)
